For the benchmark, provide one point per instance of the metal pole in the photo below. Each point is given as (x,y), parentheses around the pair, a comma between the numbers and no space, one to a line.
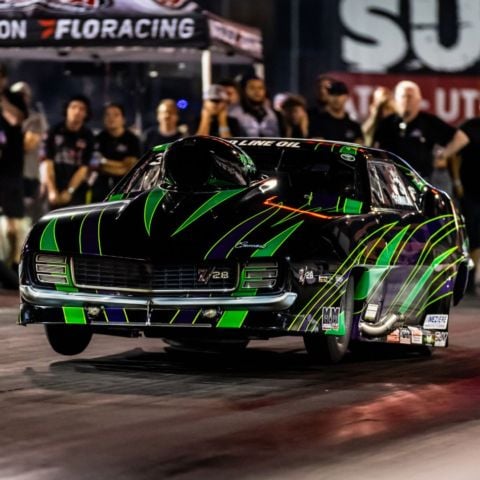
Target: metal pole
(206,70)
(295,44)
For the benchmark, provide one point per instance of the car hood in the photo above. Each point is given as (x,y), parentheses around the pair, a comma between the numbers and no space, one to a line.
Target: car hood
(166,226)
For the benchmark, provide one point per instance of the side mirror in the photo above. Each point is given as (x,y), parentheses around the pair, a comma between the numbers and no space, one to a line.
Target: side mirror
(433,202)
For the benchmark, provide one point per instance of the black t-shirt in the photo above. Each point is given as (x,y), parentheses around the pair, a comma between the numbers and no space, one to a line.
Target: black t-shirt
(328,127)
(117,148)
(470,168)
(11,140)
(414,141)
(153,138)
(69,151)
(233,125)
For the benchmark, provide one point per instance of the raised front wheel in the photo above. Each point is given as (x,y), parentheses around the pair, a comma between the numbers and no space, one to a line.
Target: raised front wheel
(68,339)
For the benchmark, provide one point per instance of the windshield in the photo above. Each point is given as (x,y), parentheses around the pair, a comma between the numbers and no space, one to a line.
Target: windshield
(327,180)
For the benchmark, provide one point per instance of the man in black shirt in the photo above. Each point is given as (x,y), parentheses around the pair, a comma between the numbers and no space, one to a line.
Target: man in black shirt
(415,135)
(119,150)
(334,123)
(214,119)
(12,113)
(68,153)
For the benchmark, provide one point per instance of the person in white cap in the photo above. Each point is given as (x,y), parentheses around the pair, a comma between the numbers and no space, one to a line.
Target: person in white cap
(214,119)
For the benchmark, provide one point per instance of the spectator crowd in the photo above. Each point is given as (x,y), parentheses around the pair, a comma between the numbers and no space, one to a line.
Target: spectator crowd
(44,166)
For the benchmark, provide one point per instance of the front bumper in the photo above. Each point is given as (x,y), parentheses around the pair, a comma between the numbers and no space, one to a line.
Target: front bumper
(43,297)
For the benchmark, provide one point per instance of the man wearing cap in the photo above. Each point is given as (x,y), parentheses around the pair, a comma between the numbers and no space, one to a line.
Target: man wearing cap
(334,123)
(12,113)
(214,119)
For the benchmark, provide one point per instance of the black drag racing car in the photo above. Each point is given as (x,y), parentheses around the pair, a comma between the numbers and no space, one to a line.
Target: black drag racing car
(214,242)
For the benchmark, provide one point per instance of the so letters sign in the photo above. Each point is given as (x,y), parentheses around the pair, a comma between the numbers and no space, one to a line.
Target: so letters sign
(385,41)
(382,34)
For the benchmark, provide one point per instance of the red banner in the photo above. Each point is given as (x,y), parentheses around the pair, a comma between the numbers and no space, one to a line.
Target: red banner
(452,98)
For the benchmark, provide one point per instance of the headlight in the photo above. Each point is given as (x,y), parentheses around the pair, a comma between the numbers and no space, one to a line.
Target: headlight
(260,275)
(51,269)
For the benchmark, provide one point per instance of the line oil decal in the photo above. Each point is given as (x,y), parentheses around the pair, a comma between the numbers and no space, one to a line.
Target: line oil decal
(211,203)
(48,240)
(151,203)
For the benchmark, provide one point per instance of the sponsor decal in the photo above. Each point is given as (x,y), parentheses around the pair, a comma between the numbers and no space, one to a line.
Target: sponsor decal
(371,312)
(405,336)
(306,275)
(266,143)
(205,274)
(249,245)
(347,157)
(436,322)
(394,337)
(441,339)
(416,334)
(330,318)
(429,339)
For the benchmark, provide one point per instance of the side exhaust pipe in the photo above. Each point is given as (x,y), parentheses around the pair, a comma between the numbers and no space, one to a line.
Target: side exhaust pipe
(382,326)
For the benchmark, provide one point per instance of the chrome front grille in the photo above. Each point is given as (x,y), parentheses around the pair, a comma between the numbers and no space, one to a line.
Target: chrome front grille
(138,276)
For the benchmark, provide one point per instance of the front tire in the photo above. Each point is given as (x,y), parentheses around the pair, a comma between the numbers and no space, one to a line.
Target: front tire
(68,339)
(330,349)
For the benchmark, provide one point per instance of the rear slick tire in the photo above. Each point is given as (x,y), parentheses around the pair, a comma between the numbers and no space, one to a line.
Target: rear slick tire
(68,339)
(331,349)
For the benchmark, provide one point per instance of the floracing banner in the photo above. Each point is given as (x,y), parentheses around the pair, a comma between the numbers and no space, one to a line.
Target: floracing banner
(186,30)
